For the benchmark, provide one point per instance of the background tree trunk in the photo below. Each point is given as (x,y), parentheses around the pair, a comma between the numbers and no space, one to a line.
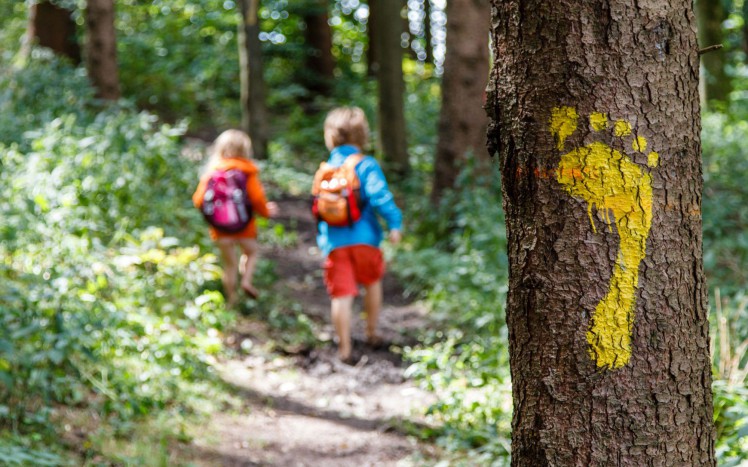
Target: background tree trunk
(745,30)
(320,62)
(462,129)
(254,112)
(595,115)
(428,36)
(392,137)
(710,15)
(372,51)
(53,27)
(101,48)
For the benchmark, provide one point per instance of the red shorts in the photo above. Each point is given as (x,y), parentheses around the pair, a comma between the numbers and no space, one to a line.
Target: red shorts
(349,266)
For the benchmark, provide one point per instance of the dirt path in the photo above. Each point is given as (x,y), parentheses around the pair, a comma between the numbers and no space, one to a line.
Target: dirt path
(305,408)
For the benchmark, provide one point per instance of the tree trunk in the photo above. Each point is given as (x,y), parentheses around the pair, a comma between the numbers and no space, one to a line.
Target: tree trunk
(101,48)
(595,115)
(462,129)
(392,137)
(710,15)
(372,51)
(254,112)
(745,30)
(320,65)
(53,27)
(427,34)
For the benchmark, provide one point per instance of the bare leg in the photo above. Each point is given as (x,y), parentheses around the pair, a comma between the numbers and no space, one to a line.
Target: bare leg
(341,319)
(372,305)
(230,269)
(249,248)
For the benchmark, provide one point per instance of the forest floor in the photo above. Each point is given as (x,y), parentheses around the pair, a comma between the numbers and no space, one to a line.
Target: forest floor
(302,406)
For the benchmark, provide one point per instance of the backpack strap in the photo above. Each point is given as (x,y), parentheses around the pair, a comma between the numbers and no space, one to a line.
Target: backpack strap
(353,159)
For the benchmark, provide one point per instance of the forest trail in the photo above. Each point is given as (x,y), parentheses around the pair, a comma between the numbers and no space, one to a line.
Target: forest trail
(304,407)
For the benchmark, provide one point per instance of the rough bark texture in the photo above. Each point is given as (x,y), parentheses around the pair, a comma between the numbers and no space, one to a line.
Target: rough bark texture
(101,48)
(392,137)
(710,15)
(595,117)
(254,111)
(320,64)
(462,129)
(53,27)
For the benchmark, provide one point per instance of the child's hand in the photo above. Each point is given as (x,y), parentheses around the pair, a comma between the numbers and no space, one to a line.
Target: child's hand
(272,208)
(395,236)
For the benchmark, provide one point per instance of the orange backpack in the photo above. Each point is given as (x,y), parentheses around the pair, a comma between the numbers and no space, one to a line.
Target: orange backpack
(337,192)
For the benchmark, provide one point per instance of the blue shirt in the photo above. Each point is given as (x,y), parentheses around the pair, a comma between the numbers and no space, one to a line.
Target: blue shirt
(376,199)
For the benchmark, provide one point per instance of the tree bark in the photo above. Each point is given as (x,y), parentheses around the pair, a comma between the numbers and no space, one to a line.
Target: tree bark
(254,112)
(101,48)
(462,129)
(595,116)
(710,15)
(745,30)
(53,27)
(372,51)
(392,139)
(320,62)
(428,36)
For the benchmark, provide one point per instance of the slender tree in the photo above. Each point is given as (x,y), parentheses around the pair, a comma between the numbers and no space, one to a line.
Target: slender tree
(52,26)
(711,14)
(101,48)
(392,137)
(254,112)
(462,130)
(595,116)
(320,62)
(372,50)
(745,30)
(428,36)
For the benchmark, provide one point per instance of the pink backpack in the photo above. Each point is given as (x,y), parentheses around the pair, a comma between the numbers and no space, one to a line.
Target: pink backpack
(226,204)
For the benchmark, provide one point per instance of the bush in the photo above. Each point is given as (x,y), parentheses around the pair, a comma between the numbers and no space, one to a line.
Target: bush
(106,302)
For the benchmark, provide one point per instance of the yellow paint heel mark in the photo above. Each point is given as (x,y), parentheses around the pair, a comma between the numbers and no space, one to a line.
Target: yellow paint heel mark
(612,183)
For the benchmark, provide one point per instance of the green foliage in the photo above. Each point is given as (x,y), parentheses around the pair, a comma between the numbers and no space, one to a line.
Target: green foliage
(15,451)
(180,58)
(34,95)
(725,211)
(457,261)
(105,302)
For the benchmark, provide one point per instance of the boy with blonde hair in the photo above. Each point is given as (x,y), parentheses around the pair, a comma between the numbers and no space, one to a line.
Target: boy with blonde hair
(352,251)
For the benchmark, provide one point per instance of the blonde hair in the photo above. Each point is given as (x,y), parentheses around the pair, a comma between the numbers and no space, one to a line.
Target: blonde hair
(232,143)
(346,125)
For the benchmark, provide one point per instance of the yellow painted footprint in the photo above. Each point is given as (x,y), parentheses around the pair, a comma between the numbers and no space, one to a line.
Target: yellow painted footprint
(612,183)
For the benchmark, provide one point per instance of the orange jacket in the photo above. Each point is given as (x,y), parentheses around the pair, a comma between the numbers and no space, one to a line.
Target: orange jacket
(254,190)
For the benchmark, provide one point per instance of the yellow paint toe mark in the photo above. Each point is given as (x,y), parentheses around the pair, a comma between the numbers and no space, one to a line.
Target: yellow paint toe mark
(639,144)
(563,124)
(622,128)
(598,121)
(653,159)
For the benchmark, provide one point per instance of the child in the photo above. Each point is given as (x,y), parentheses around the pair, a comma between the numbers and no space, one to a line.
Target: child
(353,254)
(233,150)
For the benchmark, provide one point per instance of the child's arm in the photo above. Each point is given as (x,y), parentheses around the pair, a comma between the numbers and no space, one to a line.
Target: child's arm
(197,197)
(256,194)
(380,198)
